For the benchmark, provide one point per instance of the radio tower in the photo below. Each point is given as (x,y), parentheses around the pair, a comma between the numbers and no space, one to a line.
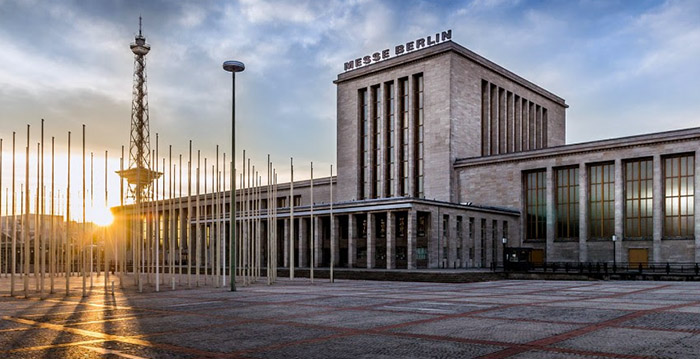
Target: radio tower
(139,174)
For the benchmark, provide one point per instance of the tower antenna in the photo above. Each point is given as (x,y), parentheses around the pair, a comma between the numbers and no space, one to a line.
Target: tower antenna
(139,174)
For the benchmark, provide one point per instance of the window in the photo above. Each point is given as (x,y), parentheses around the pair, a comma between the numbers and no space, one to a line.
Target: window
(505,229)
(377,141)
(567,200)
(445,225)
(602,200)
(445,234)
(459,237)
(639,176)
(403,125)
(364,145)
(483,241)
(471,228)
(679,196)
(421,253)
(281,202)
(391,140)
(418,103)
(535,205)
(297,200)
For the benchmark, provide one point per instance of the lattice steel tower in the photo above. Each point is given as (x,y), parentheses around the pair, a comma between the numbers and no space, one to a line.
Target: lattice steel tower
(139,174)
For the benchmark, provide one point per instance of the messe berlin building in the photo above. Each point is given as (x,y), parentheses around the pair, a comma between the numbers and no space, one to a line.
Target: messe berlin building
(443,156)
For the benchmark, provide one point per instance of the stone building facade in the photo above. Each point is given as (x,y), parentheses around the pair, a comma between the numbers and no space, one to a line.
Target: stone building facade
(444,156)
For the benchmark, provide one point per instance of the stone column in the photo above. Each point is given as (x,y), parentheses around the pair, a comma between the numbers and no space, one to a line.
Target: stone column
(477,243)
(619,207)
(452,242)
(390,240)
(697,206)
(551,215)
(286,242)
(352,244)
(411,234)
(371,238)
(303,244)
(583,213)
(657,206)
(318,240)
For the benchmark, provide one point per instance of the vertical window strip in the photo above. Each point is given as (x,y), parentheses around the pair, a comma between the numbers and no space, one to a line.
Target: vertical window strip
(364,138)
(493,149)
(485,113)
(404,175)
(419,118)
(602,200)
(391,140)
(639,199)
(679,196)
(567,200)
(377,141)
(535,205)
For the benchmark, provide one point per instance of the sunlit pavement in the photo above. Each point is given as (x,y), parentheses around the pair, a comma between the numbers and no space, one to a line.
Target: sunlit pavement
(359,319)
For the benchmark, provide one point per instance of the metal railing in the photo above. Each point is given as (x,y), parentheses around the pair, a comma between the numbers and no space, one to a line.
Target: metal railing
(605,268)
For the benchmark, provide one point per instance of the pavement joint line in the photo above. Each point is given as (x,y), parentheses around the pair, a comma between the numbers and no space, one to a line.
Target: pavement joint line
(52,346)
(109,337)
(673,330)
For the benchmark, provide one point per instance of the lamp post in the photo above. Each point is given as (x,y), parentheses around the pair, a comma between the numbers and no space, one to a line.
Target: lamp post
(505,241)
(614,239)
(233,67)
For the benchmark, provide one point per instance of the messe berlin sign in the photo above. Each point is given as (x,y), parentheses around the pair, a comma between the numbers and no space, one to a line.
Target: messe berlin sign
(399,50)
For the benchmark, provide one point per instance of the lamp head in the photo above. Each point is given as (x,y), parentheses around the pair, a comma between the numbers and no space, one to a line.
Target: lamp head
(614,238)
(233,66)
(505,240)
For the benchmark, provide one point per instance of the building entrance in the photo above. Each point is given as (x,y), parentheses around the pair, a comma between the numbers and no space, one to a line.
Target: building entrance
(638,256)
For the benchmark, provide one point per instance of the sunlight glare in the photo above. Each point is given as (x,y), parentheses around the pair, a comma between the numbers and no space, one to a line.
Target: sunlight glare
(100,216)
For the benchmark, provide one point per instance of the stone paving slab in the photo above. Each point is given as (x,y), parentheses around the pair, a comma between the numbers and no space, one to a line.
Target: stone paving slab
(377,346)
(489,329)
(668,320)
(361,319)
(655,343)
(554,314)
(240,337)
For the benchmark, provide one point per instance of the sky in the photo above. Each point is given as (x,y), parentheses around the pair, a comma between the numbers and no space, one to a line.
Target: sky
(624,68)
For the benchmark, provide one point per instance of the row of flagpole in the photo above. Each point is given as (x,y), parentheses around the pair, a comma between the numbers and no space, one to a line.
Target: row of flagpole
(142,241)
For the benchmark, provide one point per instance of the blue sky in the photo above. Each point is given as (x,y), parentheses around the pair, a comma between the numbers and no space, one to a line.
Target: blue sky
(624,67)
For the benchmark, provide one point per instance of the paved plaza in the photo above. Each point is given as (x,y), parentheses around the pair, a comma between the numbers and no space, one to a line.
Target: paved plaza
(363,319)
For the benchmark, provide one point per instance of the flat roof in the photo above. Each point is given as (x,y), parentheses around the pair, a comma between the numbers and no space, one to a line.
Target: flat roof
(688,134)
(447,46)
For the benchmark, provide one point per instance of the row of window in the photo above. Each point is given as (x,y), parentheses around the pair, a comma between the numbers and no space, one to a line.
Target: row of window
(510,123)
(384,124)
(678,176)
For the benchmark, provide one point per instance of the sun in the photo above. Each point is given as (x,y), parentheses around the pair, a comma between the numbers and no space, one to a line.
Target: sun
(100,216)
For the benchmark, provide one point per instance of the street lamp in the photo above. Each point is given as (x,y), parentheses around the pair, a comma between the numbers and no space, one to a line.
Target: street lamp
(505,241)
(233,67)
(614,239)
